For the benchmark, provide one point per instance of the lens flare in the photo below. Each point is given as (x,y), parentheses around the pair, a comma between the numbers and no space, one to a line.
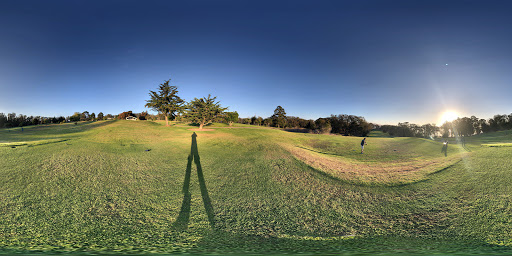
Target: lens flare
(447,116)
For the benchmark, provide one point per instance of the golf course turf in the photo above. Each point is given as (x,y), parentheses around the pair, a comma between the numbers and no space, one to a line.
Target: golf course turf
(140,187)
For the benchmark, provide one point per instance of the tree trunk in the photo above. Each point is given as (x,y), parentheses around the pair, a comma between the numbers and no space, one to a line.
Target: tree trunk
(202,123)
(230,123)
(166,120)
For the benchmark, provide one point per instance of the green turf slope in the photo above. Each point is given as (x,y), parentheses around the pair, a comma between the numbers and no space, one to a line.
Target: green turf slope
(140,187)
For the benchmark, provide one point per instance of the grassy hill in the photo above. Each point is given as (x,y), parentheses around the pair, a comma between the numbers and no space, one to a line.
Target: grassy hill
(135,186)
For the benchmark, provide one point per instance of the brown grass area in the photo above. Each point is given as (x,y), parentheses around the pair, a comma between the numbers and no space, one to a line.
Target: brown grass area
(388,173)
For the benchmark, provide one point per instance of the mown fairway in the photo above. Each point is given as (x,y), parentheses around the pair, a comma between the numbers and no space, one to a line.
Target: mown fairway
(138,186)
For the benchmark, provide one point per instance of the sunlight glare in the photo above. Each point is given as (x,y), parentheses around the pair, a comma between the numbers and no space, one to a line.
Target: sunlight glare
(447,116)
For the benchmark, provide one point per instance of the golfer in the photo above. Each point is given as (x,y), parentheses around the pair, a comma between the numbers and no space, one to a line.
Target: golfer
(445,148)
(363,142)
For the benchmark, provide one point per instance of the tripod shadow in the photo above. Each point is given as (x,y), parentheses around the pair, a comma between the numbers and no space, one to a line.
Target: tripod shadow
(183,219)
(464,146)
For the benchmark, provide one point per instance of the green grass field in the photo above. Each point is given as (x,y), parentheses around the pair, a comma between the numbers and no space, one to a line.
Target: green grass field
(139,187)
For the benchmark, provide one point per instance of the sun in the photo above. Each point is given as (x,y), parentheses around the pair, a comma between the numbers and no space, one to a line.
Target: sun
(447,116)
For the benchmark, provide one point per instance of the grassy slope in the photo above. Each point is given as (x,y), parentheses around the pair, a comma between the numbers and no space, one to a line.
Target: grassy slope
(95,187)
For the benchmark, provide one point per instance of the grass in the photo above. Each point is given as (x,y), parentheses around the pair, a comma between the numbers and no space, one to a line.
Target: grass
(141,187)
(498,145)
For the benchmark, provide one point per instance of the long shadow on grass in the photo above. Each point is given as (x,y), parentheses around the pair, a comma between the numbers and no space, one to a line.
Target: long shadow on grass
(182,221)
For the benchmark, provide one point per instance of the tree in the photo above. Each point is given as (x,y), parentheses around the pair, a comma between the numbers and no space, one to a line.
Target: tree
(100,116)
(484,125)
(93,117)
(429,130)
(293,122)
(279,117)
(75,117)
(509,123)
(463,126)
(84,116)
(3,120)
(204,110)
(323,125)
(124,115)
(231,117)
(143,116)
(358,126)
(35,120)
(166,101)
(259,121)
(447,127)
(476,124)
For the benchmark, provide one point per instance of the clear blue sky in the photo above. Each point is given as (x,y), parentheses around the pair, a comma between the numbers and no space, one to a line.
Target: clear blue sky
(384,60)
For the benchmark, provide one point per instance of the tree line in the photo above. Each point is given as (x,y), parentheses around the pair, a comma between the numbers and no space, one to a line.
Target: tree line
(12,120)
(462,126)
(343,124)
(205,110)
(202,111)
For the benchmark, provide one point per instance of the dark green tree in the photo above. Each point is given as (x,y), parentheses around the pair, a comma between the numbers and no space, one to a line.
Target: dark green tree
(74,118)
(100,116)
(323,125)
(84,116)
(166,101)
(279,117)
(258,121)
(231,117)
(143,116)
(93,116)
(35,120)
(204,110)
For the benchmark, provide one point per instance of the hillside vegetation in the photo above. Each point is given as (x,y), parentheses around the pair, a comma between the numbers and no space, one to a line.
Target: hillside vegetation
(139,186)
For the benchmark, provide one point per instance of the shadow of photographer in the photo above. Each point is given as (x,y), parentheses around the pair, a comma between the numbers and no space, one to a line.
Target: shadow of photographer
(183,219)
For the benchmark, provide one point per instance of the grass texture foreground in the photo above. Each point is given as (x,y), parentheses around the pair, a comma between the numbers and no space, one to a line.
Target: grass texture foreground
(139,187)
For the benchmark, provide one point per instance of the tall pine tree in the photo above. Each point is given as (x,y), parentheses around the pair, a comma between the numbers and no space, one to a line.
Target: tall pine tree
(279,117)
(166,101)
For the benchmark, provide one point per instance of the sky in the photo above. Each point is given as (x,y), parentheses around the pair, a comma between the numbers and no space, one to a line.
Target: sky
(388,61)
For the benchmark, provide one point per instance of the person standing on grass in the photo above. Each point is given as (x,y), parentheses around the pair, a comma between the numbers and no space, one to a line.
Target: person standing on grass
(445,148)
(363,142)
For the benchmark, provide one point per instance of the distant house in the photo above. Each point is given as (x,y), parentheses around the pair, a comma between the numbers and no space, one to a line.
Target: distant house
(131,118)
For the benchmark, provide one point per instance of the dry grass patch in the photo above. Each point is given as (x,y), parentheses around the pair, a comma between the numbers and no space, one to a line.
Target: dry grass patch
(388,173)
